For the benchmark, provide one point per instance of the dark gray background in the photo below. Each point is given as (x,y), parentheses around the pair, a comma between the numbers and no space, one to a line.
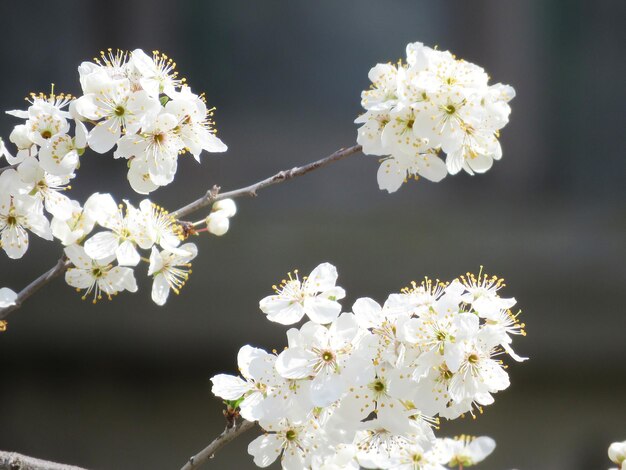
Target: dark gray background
(124,385)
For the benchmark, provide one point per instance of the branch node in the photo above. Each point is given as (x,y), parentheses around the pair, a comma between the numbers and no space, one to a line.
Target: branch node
(214,191)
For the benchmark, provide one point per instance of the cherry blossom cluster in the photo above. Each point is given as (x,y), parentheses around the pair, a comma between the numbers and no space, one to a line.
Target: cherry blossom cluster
(105,262)
(134,102)
(430,104)
(367,387)
(137,104)
(617,455)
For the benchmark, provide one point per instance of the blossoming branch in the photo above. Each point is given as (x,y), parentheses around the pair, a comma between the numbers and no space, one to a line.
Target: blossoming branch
(367,388)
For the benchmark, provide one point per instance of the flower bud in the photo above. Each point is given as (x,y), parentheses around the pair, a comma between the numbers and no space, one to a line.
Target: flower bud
(19,136)
(217,223)
(617,452)
(226,206)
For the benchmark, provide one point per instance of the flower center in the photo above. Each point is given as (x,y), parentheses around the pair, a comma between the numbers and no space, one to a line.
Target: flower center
(96,272)
(450,109)
(291,435)
(328,356)
(119,111)
(473,358)
(445,373)
(46,134)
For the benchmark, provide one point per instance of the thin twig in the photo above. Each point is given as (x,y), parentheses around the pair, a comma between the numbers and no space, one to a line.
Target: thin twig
(37,284)
(220,441)
(209,198)
(214,195)
(14,461)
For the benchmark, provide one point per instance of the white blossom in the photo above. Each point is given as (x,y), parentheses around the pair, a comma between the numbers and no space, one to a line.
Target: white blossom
(126,232)
(195,123)
(157,73)
(315,296)
(160,226)
(170,270)
(46,187)
(430,105)
(158,145)
(290,441)
(259,380)
(17,215)
(97,277)
(465,450)
(328,355)
(116,107)
(60,156)
(74,228)
(367,389)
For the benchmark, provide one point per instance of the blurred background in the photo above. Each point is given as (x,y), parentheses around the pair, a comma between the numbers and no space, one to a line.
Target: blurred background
(125,384)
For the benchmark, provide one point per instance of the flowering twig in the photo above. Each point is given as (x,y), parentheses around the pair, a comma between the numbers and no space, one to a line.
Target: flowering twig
(37,284)
(209,198)
(229,434)
(214,195)
(14,461)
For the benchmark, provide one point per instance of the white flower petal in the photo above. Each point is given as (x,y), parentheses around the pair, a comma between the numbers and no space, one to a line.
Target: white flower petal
(229,387)
(160,289)
(127,254)
(322,311)
(78,257)
(294,363)
(101,245)
(103,137)
(7,297)
(322,278)
(265,449)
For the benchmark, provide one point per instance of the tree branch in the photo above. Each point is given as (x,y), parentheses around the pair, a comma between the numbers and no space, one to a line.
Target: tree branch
(14,461)
(37,284)
(229,434)
(209,198)
(214,195)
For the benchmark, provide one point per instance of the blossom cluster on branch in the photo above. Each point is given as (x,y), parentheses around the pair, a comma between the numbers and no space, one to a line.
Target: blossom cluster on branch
(367,387)
(360,388)
(137,104)
(430,104)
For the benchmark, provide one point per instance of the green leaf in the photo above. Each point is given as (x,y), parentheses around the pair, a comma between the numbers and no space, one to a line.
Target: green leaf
(234,404)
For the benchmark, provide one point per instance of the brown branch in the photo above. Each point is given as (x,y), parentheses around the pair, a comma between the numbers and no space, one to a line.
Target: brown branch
(14,461)
(229,434)
(37,284)
(209,198)
(214,195)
